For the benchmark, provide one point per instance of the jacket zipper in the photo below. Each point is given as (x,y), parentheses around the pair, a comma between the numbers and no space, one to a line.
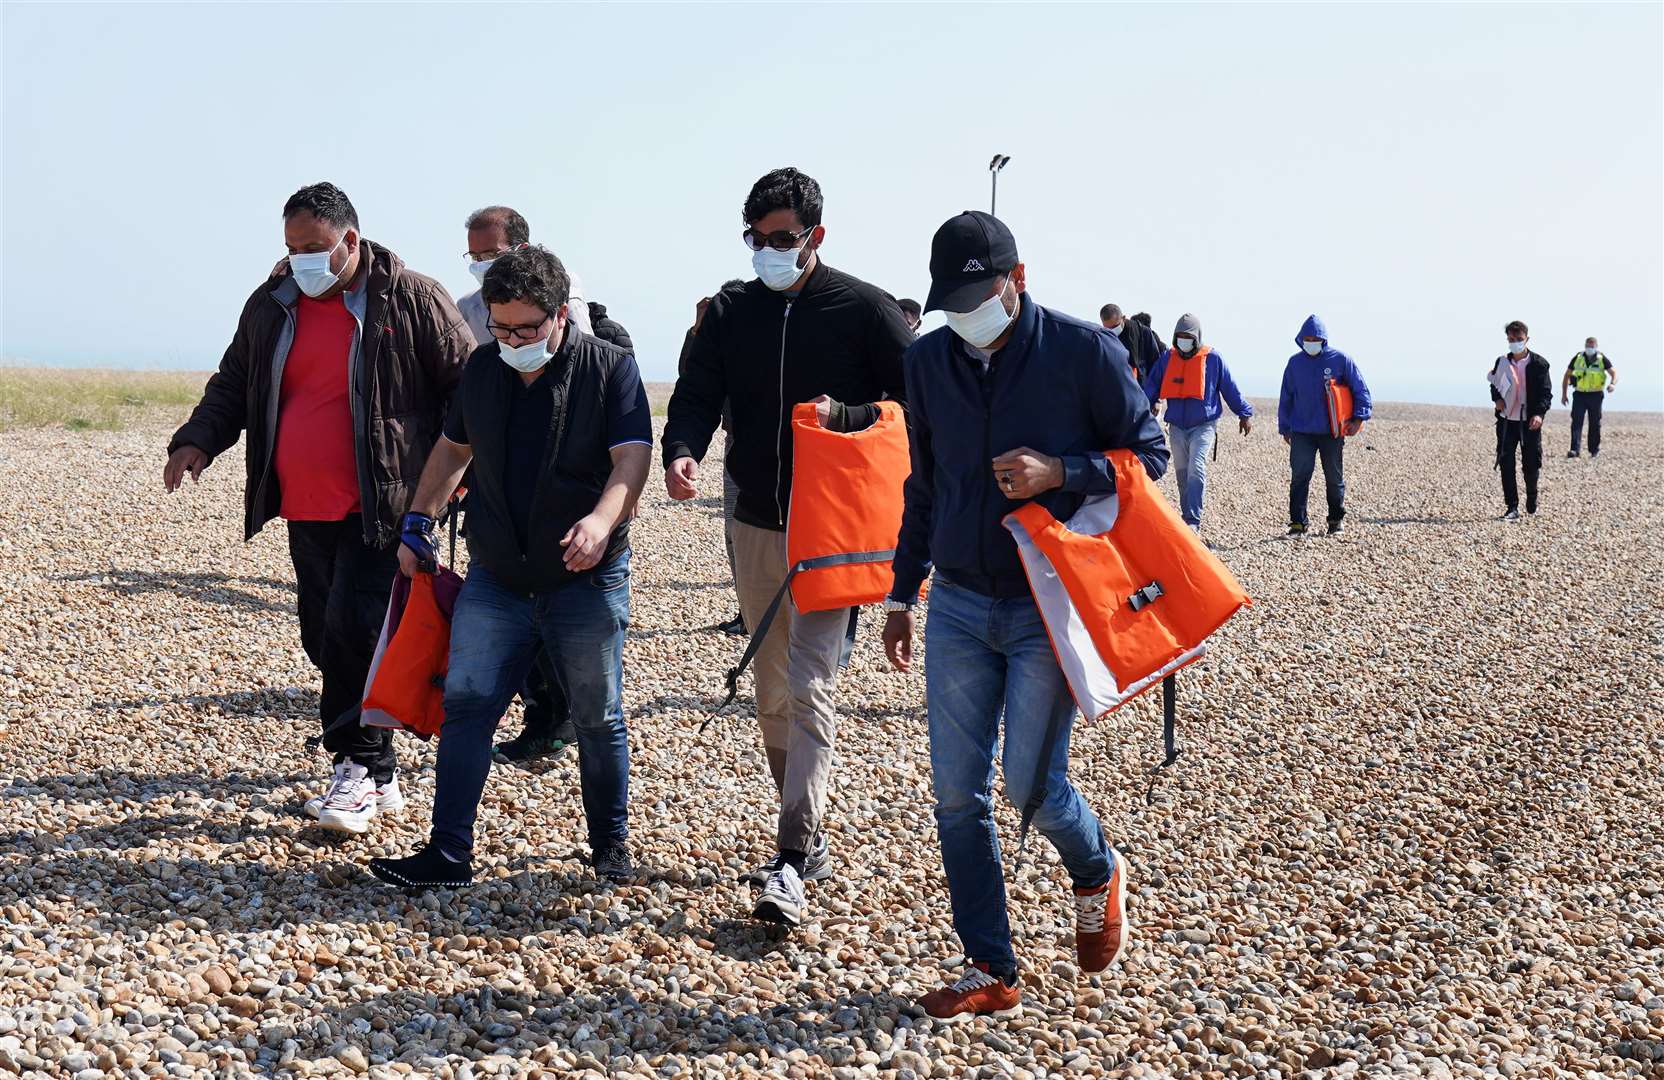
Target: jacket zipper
(986,387)
(780,430)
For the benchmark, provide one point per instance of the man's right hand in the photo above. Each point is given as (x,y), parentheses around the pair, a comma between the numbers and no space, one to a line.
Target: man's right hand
(186,459)
(898,639)
(680,477)
(417,533)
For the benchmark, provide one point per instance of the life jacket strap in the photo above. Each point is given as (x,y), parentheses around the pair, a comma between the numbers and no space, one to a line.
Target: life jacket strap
(819,562)
(1146,596)
(1169,736)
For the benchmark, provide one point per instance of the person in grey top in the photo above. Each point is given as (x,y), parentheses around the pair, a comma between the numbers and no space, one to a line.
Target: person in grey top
(493,230)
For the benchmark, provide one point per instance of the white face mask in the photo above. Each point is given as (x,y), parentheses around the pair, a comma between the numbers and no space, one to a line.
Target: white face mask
(312,272)
(987,321)
(527,358)
(1518,348)
(1312,347)
(778,269)
(478,269)
(1590,352)
(1185,345)
(1117,328)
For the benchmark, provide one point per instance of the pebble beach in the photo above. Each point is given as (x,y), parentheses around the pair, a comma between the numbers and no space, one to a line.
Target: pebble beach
(1415,829)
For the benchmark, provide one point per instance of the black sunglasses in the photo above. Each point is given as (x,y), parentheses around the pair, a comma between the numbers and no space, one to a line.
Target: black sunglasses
(780,240)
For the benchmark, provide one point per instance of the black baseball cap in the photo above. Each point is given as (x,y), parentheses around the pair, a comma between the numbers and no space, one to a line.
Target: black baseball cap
(968,252)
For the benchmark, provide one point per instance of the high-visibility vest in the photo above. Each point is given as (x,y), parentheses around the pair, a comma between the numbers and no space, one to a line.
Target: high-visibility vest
(1338,397)
(1589,373)
(1186,376)
(406,684)
(1128,593)
(844,521)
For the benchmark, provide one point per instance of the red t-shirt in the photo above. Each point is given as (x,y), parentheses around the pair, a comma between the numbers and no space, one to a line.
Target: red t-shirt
(317,470)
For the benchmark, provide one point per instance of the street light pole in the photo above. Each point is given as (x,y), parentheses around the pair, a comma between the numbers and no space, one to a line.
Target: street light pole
(1000,161)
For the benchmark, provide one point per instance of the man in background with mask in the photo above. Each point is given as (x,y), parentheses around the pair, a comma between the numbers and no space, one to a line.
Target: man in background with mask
(1594,377)
(339,373)
(492,232)
(1522,392)
(1194,381)
(558,430)
(799,332)
(1010,403)
(1142,345)
(1303,421)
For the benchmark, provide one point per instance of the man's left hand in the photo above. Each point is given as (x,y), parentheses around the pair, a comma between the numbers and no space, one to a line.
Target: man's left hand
(1353,426)
(1536,423)
(823,410)
(1245,425)
(1023,473)
(585,543)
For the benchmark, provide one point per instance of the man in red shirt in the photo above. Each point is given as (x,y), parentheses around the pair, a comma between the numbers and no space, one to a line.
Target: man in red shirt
(340,372)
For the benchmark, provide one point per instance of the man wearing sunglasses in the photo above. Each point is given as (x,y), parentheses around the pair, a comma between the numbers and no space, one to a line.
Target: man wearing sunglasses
(338,375)
(557,428)
(799,332)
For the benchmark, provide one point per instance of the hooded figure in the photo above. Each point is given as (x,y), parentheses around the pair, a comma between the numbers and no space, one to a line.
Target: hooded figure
(1193,381)
(1303,420)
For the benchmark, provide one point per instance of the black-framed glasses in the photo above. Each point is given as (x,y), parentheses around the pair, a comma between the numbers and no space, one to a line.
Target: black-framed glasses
(527,332)
(779,240)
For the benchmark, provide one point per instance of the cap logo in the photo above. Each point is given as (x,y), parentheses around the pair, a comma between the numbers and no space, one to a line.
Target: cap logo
(973,266)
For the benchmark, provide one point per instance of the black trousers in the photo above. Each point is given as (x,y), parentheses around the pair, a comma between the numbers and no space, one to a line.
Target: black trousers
(1514,435)
(344,586)
(1586,403)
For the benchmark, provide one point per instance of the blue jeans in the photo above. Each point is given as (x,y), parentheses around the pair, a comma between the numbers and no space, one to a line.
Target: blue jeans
(495,636)
(1303,452)
(1190,448)
(984,658)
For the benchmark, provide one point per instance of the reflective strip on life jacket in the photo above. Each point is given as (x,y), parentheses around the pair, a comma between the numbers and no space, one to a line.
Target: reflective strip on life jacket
(1338,398)
(1128,593)
(1186,376)
(844,520)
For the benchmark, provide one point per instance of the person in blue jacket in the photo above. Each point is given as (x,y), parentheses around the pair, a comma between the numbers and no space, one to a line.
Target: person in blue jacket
(1009,403)
(1303,421)
(1193,379)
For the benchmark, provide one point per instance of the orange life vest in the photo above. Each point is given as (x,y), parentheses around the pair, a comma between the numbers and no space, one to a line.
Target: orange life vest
(1186,376)
(406,686)
(1339,398)
(844,520)
(1127,592)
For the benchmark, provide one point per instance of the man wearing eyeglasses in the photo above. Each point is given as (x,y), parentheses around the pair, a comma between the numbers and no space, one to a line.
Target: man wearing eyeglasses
(339,374)
(557,428)
(492,232)
(799,332)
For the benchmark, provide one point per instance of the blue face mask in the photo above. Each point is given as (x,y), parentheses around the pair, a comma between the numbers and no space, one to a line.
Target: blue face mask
(478,269)
(1312,347)
(778,269)
(312,272)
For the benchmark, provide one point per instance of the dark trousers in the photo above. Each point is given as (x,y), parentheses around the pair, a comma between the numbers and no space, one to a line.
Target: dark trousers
(1512,435)
(1303,454)
(344,586)
(1586,403)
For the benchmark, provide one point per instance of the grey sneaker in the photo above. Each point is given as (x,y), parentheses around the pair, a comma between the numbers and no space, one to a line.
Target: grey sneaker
(782,900)
(816,867)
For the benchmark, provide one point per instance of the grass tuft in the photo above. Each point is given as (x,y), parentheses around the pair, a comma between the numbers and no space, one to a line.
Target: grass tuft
(90,399)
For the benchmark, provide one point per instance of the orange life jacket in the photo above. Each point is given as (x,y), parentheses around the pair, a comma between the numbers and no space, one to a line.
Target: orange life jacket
(1127,592)
(844,520)
(406,686)
(1186,376)
(1339,398)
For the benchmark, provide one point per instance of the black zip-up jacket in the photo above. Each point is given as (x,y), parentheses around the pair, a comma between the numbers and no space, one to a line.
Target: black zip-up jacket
(1059,386)
(764,353)
(1142,346)
(1539,386)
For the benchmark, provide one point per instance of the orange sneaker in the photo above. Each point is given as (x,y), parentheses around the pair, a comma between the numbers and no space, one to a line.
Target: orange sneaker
(977,993)
(1101,929)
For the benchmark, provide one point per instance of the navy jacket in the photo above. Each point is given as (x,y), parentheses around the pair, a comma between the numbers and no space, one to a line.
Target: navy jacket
(1303,406)
(1061,387)
(1217,383)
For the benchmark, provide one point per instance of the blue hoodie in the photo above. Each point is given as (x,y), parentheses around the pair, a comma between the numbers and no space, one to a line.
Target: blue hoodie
(1194,412)
(1304,406)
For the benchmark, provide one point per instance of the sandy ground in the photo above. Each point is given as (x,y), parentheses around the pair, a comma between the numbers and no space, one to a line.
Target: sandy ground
(1416,829)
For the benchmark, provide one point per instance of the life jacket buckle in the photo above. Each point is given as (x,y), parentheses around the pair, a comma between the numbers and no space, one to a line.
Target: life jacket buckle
(1146,596)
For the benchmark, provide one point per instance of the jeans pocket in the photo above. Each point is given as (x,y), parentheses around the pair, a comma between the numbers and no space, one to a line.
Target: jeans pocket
(614,575)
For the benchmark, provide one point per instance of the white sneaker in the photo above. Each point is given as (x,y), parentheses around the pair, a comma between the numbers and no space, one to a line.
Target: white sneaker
(782,900)
(388,796)
(350,804)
